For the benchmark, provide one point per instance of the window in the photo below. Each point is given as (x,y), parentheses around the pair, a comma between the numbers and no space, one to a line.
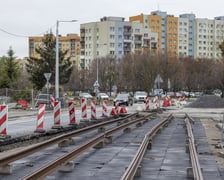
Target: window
(111,44)
(137,30)
(111,29)
(111,36)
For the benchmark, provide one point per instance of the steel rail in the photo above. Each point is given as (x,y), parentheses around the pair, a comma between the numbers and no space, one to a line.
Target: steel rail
(56,164)
(190,118)
(197,172)
(40,146)
(133,166)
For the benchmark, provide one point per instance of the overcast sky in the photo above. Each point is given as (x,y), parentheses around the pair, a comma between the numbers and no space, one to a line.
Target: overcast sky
(24,18)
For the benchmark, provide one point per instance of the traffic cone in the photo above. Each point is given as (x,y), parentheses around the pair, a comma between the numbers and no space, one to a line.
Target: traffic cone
(123,110)
(113,112)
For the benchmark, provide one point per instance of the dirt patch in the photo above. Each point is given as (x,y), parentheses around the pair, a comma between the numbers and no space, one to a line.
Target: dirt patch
(208,101)
(214,138)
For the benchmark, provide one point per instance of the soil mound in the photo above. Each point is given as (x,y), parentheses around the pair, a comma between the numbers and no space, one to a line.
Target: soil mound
(207,101)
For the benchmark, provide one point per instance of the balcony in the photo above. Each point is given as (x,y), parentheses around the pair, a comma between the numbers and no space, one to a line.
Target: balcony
(128,33)
(127,48)
(82,56)
(127,40)
(138,41)
(82,65)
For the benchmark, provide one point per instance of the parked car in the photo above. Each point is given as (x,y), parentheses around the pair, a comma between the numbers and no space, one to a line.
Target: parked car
(102,96)
(140,96)
(43,99)
(86,95)
(171,94)
(179,95)
(124,99)
(217,92)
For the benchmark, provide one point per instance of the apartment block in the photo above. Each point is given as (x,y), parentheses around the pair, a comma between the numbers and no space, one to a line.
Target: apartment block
(166,26)
(172,36)
(114,36)
(189,32)
(71,42)
(183,37)
(209,34)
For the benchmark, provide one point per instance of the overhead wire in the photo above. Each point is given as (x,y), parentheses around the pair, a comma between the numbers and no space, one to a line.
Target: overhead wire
(26,36)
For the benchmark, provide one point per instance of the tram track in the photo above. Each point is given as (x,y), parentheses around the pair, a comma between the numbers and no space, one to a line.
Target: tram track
(132,166)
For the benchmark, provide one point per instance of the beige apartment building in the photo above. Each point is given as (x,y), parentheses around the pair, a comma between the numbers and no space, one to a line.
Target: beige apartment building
(114,36)
(71,42)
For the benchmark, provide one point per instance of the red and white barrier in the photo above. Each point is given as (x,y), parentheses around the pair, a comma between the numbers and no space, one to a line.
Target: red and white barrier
(93,109)
(117,106)
(104,112)
(155,102)
(3,119)
(71,108)
(52,101)
(57,114)
(40,118)
(83,106)
(147,103)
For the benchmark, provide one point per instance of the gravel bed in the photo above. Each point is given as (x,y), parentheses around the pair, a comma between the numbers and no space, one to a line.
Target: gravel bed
(207,101)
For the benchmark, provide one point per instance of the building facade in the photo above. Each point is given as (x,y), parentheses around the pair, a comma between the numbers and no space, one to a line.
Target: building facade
(115,37)
(71,42)
(185,35)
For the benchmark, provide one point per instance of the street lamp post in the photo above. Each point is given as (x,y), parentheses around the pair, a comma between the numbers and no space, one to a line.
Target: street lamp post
(57,61)
(96,84)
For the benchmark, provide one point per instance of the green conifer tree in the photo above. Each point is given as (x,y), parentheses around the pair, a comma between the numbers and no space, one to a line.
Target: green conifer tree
(36,67)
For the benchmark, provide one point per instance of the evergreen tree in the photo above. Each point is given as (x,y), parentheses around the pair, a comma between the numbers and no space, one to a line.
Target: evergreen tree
(36,67)
(9,70)
(221,47)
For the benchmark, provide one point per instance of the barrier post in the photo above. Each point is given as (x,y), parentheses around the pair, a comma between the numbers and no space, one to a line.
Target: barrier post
(40,119)
(71,113)
(147,103)
(117,106)
(83,106)
(52,101)
(57,115)
(93,109)
(3,120)
(104,112)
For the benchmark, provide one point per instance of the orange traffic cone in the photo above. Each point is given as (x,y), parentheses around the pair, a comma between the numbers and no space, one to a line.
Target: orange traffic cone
(123,110)
(113,112)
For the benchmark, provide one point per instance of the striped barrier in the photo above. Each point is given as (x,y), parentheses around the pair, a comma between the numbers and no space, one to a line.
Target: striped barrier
(40,118)
(83,106)
(147,103)
(117,106)
(93,109)
(57,114)
(71,108)
(104,112)
(52,101)
(3,119)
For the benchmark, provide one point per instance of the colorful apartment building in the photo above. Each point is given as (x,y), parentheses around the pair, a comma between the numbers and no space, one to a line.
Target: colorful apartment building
(115,37)
(166,26)
(172,36)
(71,42)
